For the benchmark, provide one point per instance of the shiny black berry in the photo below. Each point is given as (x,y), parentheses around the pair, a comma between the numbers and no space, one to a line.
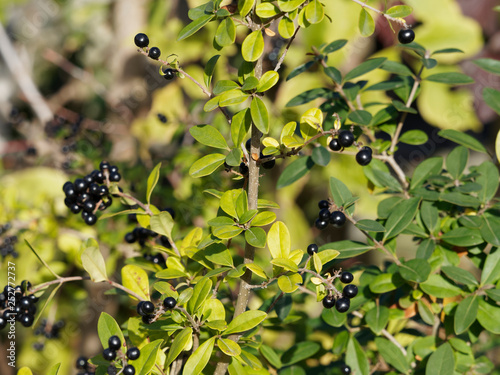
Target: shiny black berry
(335,145)
(90,219)
(248,144)
(337,219)
(81,363)
(115,177)
(148,319)
(89,206)
(24,303)
(109,354)
(346,138)
(27,320)
(139,308)
(269,164)
(406,36)
(128,370)
(312,249)
(346,277)
(243,169)
(344,369)
(114,343)
(328,302)
(350,291)
(141,40)
(342,305)
(169,74)
(323,204)
(364,156)
(321,224)
(148,307)
(133,353)
(324,214)
(169,303)
(154,53)
(130,237)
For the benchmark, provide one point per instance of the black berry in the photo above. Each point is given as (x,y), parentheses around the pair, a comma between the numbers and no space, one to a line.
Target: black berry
(109,354)
(80,185)
(344,369)
(337,219)
(335,145)
(243,169)
(169,74)
(115,177)
(169,303)
(312,249)
(141,40)
(148,319)
(148,307)
(346,277)
(269,164)
(248,144)
(133,353)
(346,138)
(324,214)
(103,165)
(342,305)
(24,303)
(406,36)
(321,224)
(114,343)
(112,370)
(27,320)
(81,363)
(323,204)
(90,219)
(154,53)
(130,237)
(128,370)
(364,157)
(328,302)
(350,291)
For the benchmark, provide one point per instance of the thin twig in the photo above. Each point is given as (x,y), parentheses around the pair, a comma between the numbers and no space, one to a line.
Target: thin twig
(285,51)
(195,325)
(397,20)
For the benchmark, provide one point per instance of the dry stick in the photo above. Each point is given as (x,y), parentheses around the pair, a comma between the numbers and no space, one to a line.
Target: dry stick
(285,51)
(23,78)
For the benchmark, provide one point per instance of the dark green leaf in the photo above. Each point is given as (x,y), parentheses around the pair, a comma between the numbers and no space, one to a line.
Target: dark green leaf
(388,85)
(365,67)
(450,78)
(429,63)
(425,249)
(487,316)
(424,170)
(308,96)
(489,180)
(437,286)
(321,156)
(494,294)
(491,268)
(416,270)
(425,312)
(463,236)
(459,275)
(194,26)
(392,354)
(370,225)
(490,65)
(492,98)
(401,217)
(356,358)
(385,283)
(347,248)
(396,68)
(259,114)
(299,70)
(377,318)
(466,314)
(299,352)
(340,342)
(490,230)
(462,139)
(334,74)
(401,107)
(270,355)
(441,362)
(456,161)
(460,199)
(381,178)
(414,137)
(360,117)
(294,171)
(335,46)
(340,192)
(209,70)
(447,50)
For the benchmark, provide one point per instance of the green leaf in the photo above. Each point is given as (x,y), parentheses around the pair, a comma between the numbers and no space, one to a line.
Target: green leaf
(287,264)
(136,279)
(245,6)
(340,192)
(253,46)
(278,240)
(441,362)
(466,314)
(460,199)
(107,327)
(314,12)
(416,270)
(489,181)
(224,85)
(208,72)
(256,269)
(270,355)
(447,50)
(226,32)
(227,231)
(263,218)
(360,117)
(206,165)
(347,248)
(381,178)
(401,217)
(288,283)
(490,65)
(250,83)
(245,321)
(392,354)
(93,263)
(211,104)
(366,24)
(299,352)
(365,67)
(286,28)
(450,78)
(259,114)
(162,224)
(426,248)
(194,26)
(462,139)
(424,170)
(229,347)
(491,269)
(229,201)
(463,236)
(494,294)
(255,237)
(356,358)
(377,318)
(54,370)
(438,287)
(201,292)
(209,136)
(334,74)
(490,230)
(268,80)
(456,161)
(459,275)
(487,316)
(321,156)
(289,5)
(334,46)
(298,70)
(24,371)
(152,181)
(370,225)
(396,68)
(266,10)
(425,312)
(179,344)
(385,283)
(294,171)
(199,359)
(492,98)
(232,97)
(414,137)
(240,125)
(218,253)
(399,11)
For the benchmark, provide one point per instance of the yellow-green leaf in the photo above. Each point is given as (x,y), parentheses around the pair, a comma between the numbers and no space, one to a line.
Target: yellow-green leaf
(314,12)
(136,279)
(253,46)
(206,165)
(152,181)
(366,23)
(288,283)
(245,321)
(229,347)
(278,240)
(199,359)
(179,344)
(93,262)
(287,264)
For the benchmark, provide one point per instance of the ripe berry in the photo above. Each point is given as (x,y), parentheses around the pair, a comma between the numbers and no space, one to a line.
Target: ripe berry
(81,363)
(89,206)
(80,185)
(114,343)
(141,40)
(406,36)
(112,370)
(324,214)
(113,169)
(103,165)
(162,118)
(130,237)
(148,319)
(148,307)
(70,191)
(128,370)
(103,190)
(346,138)
(94,188)
(364,157)
(323,204)
(312,249)
(154,53)
(133,353)
(269,164)
(335,145)
(321,224)
(115,177)
(25,303)
(169,74)
(243,169)
(90,219)
(344,369)
(346,277)
(350,291)
(328,302)
(342,305)
(169,303)
(337,219)
(109,354)
(27,320)
(139,308)
(248,144)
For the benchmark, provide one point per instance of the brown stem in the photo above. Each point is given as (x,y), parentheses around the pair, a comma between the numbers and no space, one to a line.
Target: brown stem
(397,20)
(282,57)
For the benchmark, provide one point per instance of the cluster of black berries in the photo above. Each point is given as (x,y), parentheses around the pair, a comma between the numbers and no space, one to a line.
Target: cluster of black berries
(88,194)
(7,242)
(18,305)
(142,41)
(109,354)
(140,235)
(146,309)
(350,291)
(48,331)
(406,36)
(82,363)
(346,139)
(325,217)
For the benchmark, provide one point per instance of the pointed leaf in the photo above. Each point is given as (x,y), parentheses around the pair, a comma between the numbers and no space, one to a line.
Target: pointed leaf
(199,359)
(179,344)
(441,362)
(401,217)
(93,263)
(209,70)
(366,24)
(136,279)
(256,237)
(107,327)
(206,165)
(365,67)
(392,354)
(209,136)
(356,358)
(466,314)
(377,318)
(462,139)
(194,26)
(259,114)
(294,171)
(229,347)
(245,321)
